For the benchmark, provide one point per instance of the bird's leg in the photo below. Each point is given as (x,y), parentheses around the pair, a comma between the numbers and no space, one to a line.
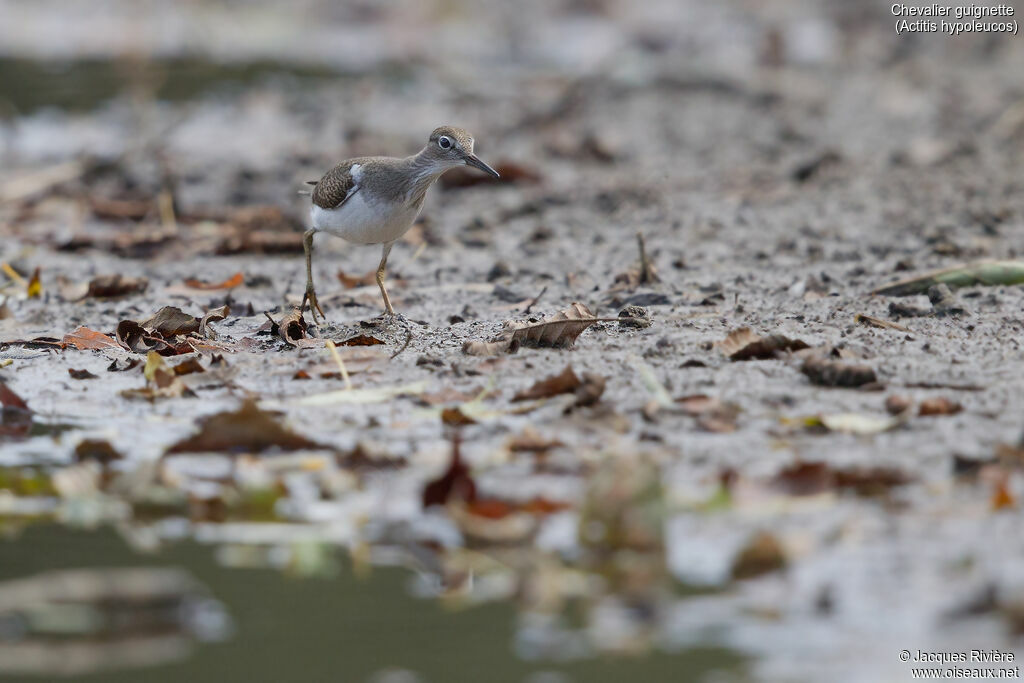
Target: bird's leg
(381,269)
(310,295)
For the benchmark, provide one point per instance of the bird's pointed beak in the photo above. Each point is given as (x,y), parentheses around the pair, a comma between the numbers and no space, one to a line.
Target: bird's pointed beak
(474,161)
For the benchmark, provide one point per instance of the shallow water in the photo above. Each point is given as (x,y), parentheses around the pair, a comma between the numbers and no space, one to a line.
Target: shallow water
(340,628)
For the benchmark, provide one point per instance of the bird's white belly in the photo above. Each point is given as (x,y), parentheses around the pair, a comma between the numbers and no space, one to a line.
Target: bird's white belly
(363,222)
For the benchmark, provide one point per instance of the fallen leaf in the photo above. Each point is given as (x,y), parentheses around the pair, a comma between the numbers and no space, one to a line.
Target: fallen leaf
(291,327)
(713,415)
(590,391)
(832,373)
(212,315)
(511,172)
(761,555)
(135,338)
(161,381)
(360,458)
(235,280)
(360,340)
(1002,498)
(897,403)
(453,417)
(132,209)
(455,483)
(565,382)
(98,450)
(352,281)
(85,339)
(812,478)
(939,406)
(188,367)
(246,430)
(80,374)
(532,442)
(745,344)
(556,331)
(129,364)
(35,287)
(170,321)
(112,286)
(10,400)
(448,395)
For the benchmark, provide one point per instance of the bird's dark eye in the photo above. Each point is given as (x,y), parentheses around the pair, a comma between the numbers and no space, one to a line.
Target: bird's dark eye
(444,142)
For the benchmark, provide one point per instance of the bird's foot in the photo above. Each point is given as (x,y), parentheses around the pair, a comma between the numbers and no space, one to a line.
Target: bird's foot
(314,305)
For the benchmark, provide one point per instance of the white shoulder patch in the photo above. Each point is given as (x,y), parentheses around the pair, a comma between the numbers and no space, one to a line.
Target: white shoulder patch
(356,171)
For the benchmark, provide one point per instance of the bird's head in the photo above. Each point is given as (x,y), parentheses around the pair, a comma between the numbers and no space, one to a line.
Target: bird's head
(450,146)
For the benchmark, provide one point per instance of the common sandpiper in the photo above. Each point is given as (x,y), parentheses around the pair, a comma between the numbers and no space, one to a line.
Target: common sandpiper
(374,200)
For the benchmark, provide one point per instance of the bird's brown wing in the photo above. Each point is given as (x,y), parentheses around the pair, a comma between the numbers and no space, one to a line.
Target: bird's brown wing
(335,187)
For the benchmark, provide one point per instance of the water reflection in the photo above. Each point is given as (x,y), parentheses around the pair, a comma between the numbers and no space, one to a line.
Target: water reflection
(344,627)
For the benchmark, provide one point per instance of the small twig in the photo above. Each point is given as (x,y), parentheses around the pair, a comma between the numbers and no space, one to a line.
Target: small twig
(341,365)
(647,274)
(535,300)
(165,204)
(408,338)
(13,274)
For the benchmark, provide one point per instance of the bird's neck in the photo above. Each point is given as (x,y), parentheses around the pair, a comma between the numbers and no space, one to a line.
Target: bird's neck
(422,171)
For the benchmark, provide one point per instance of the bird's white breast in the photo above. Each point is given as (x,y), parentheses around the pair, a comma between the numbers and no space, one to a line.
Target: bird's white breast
(365,219)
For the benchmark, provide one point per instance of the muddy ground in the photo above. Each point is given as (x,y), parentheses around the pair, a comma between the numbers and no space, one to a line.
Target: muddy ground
(780,161)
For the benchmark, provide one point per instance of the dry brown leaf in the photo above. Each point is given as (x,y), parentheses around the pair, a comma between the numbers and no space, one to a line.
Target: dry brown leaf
(453,417)
(161,381)
(132,209)
(532,442)
(939,406)
(713,415)
(510,171)
(565,382)
(85,339)
(447,395)
(897,404)
(1002,497)
(360,340)
(235,280)
(591,390)
(112,286)
(170,321)
(456,482)
(98,450)
(832,373)
(80,374)
(246,430)
(745,344)
(135,338)
(10,400)
(812,478)
(188,367)
(352,281)
(762,554)
(212,315)
(556,331)
(291,327)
